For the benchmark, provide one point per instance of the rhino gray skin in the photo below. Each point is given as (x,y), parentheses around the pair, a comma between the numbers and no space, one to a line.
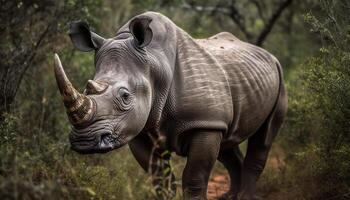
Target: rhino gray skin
(159,90)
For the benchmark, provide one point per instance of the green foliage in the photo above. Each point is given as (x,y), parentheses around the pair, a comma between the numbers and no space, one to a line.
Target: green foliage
(328,79)
(317,130)
(331,72)
(28,31)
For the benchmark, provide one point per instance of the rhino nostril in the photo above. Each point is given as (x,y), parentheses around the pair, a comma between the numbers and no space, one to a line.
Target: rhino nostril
(106,141)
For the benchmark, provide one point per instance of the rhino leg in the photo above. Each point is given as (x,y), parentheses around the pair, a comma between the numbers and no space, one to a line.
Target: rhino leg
(155,162)
(258,148)
(203,150)
(254,164)
(232,159)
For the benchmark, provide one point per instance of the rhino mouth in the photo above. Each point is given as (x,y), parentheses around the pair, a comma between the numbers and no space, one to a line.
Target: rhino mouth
(97,138)
(103,144)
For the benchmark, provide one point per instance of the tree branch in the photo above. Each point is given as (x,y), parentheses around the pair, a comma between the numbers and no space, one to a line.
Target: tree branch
(239,20)
(230,11)
(233,12)
(271,22)
(259,9)
(206,8)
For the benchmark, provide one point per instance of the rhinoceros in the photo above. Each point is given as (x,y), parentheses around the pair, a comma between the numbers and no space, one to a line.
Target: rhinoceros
(159,90)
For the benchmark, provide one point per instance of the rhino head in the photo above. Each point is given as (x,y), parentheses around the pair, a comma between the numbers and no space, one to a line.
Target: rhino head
(116,103)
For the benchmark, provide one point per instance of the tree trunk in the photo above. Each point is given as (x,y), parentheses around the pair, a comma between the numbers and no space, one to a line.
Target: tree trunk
(10,78)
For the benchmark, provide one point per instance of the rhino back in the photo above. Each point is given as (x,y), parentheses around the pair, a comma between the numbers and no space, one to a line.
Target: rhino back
(253,78)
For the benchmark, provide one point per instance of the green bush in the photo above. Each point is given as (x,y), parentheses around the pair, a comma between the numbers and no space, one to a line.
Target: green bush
(317,129)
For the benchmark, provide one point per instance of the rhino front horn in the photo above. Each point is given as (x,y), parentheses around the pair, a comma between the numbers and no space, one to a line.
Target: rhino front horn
(79,106)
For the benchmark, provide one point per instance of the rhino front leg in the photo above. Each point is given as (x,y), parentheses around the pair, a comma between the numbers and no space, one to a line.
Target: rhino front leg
(203,151)
(157,162)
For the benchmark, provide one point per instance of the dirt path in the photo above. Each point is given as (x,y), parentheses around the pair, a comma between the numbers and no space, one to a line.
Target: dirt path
(219,181)
(218,185)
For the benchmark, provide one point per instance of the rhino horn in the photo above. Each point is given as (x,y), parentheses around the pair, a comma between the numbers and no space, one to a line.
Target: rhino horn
(79,106)
(95,87)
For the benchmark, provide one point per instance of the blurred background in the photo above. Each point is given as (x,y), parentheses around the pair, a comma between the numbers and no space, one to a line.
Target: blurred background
(309,160)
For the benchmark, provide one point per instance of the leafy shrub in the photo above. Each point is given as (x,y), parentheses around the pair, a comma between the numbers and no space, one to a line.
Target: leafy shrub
(317,130)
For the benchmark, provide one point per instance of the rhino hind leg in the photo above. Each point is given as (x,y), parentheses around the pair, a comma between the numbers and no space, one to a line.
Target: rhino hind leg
(258,149)
(253,166)
(232,159)
(157,163)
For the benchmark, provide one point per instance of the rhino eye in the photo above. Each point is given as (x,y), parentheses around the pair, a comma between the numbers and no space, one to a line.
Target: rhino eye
(125,96)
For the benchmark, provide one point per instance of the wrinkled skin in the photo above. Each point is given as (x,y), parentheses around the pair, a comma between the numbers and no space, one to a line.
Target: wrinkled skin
(123,107)
(159,90)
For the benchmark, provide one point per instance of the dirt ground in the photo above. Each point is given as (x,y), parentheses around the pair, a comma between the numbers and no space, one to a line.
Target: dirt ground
(218,185)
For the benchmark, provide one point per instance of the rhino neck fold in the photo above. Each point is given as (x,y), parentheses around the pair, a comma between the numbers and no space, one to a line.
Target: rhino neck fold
(200,77)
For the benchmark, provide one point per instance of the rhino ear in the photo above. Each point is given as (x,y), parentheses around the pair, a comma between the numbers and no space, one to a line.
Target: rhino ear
(139,27)
(82,38)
